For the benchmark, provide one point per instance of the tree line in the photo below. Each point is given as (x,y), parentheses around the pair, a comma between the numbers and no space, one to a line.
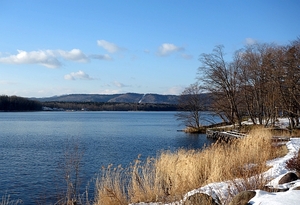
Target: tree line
(15,103)
(260,82)
(110,106)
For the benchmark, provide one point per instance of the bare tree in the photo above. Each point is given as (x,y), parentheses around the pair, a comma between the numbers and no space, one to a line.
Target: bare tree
(260,80)
(191,103)
(270,78)
(287,79)
(257,88)
(221,79)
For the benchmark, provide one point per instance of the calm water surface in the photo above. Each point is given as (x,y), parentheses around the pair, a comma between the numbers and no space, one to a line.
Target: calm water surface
(32,146)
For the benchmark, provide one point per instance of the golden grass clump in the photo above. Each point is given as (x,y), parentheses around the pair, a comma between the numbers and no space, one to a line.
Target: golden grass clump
(172,174)
(110,186)
(195,130)
(120,185)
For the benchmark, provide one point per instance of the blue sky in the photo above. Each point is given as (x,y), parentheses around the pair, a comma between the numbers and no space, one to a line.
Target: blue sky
(56,47)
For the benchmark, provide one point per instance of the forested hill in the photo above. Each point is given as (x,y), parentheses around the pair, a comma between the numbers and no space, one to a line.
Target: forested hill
(15,103)
(114,98)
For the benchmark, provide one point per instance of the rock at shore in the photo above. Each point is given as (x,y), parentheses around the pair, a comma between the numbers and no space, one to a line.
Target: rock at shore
(289,177)
(200,199)
(242,198)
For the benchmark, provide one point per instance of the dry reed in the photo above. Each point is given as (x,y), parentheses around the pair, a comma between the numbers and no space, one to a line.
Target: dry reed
(172,174)
(7,201)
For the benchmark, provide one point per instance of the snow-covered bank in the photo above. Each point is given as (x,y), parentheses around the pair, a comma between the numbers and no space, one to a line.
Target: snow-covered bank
(278,165)
(290,197)
(223,190)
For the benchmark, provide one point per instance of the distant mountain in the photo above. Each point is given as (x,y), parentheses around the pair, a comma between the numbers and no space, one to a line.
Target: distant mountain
(125,98)
(78,98)
(128,98)
(164,99)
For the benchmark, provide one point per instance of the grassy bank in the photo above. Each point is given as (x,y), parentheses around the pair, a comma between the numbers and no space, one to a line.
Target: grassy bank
(172,174)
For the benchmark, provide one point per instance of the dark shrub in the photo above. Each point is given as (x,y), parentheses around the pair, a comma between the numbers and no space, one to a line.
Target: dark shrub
(294,163)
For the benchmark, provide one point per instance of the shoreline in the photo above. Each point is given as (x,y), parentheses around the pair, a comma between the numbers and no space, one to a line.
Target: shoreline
(219,190)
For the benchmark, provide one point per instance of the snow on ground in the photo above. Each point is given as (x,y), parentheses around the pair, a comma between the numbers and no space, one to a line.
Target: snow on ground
(222,190)
(280,122)
(278,165)
(291,197)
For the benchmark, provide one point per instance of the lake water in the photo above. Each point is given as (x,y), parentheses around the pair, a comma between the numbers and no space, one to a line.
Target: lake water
(32,146)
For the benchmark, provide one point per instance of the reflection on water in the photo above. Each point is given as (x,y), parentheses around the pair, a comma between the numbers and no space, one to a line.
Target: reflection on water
(194,141)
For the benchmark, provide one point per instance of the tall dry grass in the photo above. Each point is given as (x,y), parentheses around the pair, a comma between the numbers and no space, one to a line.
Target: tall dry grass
(5,200)
(172,174)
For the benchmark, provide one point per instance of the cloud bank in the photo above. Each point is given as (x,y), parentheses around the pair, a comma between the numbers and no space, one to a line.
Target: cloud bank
(54,58)
(47,58)
(50,58)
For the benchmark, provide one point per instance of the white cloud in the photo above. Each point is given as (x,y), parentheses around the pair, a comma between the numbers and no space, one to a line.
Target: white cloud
(47,58)
(119,85)
(78,75)
(101,57)
(109,47)
(176,90)
(109,91)
(250,41)
(73,55)
(186,56)
(168,48)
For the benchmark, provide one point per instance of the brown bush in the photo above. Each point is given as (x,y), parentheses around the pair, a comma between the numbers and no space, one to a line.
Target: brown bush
(294,163)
